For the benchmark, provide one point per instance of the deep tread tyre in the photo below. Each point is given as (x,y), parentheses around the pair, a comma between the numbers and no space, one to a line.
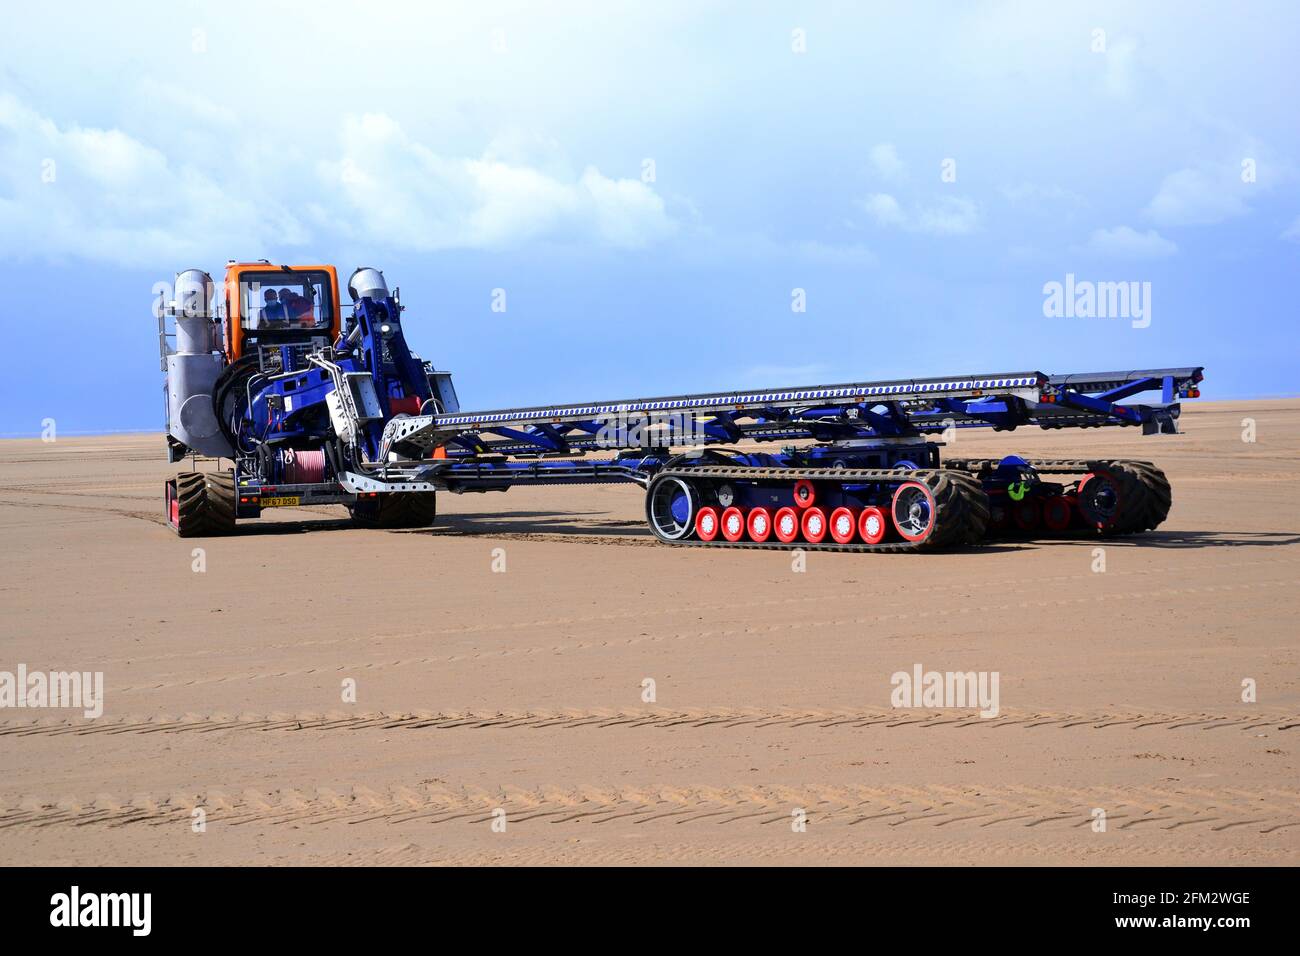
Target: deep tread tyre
(962,511)
(401,509)
(1143,492)
(205,504)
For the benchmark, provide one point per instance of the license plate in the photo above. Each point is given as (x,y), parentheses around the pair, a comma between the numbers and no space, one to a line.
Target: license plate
(284,501)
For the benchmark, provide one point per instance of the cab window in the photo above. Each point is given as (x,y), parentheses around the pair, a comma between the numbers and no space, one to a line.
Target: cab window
(285,300)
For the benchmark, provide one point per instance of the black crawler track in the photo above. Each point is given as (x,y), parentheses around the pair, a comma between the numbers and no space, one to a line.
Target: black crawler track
(403,509)
(961,507)
(1144,492)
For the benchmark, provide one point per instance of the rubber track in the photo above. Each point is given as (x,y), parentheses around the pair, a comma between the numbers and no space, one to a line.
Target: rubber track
(1046,466)
(403,509)
(961,505)
(1145,493)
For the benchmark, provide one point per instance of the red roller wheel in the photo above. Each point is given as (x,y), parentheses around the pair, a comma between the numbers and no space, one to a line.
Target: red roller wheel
(844,524)
(805,495)
(999,512)
(873,525)
(760,524)
(785,524)
(707,524)
(1058,512)
(733,524)
(913,511)
(814,525)
(1025,514)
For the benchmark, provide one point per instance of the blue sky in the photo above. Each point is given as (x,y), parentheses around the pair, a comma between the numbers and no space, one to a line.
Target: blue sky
(921,171)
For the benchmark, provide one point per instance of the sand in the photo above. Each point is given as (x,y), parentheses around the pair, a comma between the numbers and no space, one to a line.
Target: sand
(487,697)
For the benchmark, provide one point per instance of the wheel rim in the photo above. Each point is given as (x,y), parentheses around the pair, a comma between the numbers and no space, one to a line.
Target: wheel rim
(760,524)
(872,526)
(706,524)
(733,524)
(913,510)
(844,525)
(671,508)
(726,495)
(1057,513)
(805,495)
(1099,500)
(787,525)
(814,525)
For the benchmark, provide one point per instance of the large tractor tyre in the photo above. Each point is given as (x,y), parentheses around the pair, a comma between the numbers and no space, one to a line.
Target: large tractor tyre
(402,509)
(943,510)
(1159,496)
(1125,497)
(202,504)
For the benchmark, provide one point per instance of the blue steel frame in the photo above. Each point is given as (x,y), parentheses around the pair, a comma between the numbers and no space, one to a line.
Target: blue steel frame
(886,424)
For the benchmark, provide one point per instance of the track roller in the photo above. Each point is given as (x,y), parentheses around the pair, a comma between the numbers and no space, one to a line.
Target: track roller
(844,524)
(707,524)
(760,524)
(873,525)
(733,524)
(1025,515)
(785,523)
(814,525)
(1057,513)
(805,494)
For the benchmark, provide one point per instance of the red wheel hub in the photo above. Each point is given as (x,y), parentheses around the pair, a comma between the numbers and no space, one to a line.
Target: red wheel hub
(873,525)
(1058,512)
(1025,514)
(785,524)
(733,524)
(805,495)
(707,524)
(844,524)
(760,524)
(814,525)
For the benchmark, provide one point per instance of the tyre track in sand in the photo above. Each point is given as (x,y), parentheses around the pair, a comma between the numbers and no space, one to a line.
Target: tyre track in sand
(979,810)
(720,718)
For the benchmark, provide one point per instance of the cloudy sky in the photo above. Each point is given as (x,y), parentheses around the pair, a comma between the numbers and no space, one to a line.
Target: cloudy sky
(650,184)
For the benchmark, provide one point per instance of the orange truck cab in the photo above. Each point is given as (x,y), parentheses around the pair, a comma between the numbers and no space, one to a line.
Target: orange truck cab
(270,305)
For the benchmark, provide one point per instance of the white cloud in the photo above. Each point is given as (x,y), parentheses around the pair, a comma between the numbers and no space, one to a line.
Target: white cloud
(1124,242)
(885,209)
(402,193)
(1199,196)
(947,216)
(885,159)
(1292,232)
(101,194)
(950,216)
(105,195)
